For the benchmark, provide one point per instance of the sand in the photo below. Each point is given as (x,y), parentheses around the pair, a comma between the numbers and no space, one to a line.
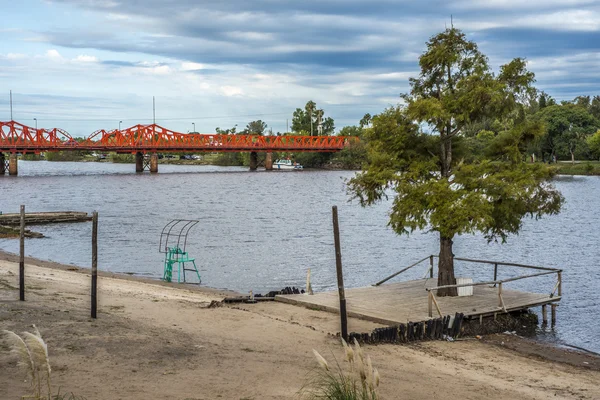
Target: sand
(153,340)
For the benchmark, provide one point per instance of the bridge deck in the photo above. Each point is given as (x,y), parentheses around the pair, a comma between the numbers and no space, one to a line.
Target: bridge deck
(408,301)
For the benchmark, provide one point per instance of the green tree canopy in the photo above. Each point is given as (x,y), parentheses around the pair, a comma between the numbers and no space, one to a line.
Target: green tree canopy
(593,142)
(256,128)
(301,120)
(567,127)
(435,185)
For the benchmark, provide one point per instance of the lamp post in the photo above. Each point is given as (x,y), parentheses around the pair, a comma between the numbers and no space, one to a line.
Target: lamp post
(194,125)
(35,119)
(120,124)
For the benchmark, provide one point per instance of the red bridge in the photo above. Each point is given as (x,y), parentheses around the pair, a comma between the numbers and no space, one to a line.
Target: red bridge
(152,139)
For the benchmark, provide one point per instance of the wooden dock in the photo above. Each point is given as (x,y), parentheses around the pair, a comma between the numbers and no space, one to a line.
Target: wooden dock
(38,218)
(396,303)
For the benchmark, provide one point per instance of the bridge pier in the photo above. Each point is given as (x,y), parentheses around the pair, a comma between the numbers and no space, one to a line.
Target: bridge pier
(253,161)
(153,163)
(13,166)
(269,161)
(139,162)
(2,164)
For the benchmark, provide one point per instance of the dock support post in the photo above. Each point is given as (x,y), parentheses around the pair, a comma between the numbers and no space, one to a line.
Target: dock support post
(13,166)
(544,315)
(430,303)
(269,161)
(340,275)
(94,263)
(253,161)
(553,311)
(22,257)
(153,163)
(2,164)
(139,162)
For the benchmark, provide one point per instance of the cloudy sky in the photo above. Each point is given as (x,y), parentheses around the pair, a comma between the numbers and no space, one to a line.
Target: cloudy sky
(83,65)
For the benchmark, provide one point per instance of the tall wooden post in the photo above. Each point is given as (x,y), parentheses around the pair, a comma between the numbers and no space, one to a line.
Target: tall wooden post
(22,257)
(430,267)
(94,262)
(340,275)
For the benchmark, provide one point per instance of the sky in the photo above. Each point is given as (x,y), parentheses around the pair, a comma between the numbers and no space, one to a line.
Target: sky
(84,65)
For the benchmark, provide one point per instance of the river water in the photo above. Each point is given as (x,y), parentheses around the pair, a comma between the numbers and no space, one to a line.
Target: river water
(261,231)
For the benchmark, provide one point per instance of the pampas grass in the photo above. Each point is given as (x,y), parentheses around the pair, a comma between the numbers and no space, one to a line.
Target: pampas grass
(359,382)
(32,356)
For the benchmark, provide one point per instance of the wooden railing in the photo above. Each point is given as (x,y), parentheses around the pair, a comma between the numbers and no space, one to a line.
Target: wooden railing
(493,283)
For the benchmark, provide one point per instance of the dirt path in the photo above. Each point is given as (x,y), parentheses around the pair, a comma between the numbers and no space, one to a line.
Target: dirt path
(154,341)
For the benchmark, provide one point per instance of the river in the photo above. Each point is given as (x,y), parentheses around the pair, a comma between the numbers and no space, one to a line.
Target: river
(261,231)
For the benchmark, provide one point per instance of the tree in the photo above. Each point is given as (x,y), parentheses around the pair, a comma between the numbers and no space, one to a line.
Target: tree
(435,186)
(365,121)
(593,142)
(582,101)
(309,118)
(567,127)
(230,131)
(595,107)
(256,128)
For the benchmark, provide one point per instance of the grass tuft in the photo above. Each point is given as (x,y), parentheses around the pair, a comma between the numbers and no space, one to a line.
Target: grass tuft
(358,381)
(32,356)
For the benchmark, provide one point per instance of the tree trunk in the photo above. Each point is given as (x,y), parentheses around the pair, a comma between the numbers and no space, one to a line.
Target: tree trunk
(572,158)
(446,268)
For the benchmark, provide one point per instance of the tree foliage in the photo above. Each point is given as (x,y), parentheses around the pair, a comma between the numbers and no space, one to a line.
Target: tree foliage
(567,127)
(301,120)
(256,128)
(436,184)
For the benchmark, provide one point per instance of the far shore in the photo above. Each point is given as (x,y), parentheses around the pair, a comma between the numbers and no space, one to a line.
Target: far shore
(579,168)
(159,340)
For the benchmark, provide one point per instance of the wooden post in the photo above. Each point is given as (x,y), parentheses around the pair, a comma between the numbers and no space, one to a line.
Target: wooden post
(544,315)
(431,267)
(559,273)
(94,262)
(340,276)
(500,298)
(430,305)
(22,257)
(553,310)
(495,273)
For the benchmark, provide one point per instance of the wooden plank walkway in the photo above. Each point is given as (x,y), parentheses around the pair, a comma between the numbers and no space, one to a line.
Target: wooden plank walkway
(402,302)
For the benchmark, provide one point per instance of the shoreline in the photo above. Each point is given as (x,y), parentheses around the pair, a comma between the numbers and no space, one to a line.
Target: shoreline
(12,257)
(149,334)
(527,346)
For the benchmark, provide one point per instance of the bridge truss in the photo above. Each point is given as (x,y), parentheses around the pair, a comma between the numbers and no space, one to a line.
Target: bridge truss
(19,138)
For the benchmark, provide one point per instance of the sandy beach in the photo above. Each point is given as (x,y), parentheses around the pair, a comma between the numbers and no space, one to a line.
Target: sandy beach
(153,340)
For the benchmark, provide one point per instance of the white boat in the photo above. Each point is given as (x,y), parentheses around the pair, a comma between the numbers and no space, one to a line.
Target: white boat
(286,165)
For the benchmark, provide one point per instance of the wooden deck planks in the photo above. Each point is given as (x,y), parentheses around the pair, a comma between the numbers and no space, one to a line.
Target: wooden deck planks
(407,301)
